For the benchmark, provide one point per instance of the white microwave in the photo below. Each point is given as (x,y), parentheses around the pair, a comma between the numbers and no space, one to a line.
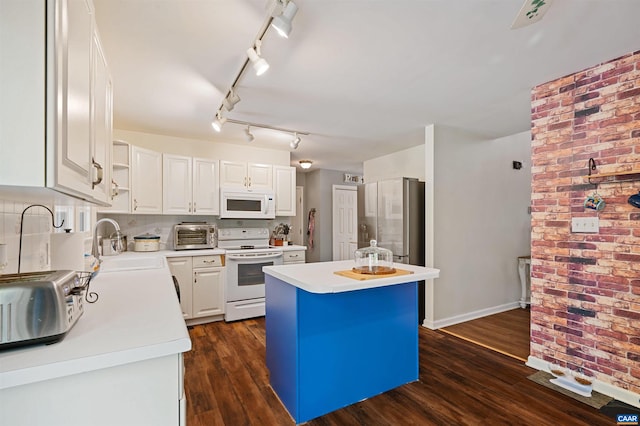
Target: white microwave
(235,204)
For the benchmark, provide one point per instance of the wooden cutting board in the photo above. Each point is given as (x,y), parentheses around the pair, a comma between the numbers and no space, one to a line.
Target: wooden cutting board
(361,277)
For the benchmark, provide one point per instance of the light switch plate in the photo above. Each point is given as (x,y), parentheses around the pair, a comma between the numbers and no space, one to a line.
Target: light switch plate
(590,225)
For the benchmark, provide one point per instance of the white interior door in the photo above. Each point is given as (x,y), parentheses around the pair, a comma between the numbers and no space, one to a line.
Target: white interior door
(345,221)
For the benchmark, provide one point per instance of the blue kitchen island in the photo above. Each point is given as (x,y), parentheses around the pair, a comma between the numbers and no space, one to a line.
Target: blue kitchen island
(333,340)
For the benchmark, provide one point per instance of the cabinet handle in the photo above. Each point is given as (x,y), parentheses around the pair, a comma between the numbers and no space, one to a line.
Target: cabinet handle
(249,181)
(115,189)
(99,176)
(208,261)
(189,207)
(245,181)
(135,204)
(194,206)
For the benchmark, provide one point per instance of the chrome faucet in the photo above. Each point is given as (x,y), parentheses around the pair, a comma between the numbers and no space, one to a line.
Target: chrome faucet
(118,237)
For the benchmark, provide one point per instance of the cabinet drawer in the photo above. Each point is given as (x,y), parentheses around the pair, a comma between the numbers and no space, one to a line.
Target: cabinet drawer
(206,261)
(293,256)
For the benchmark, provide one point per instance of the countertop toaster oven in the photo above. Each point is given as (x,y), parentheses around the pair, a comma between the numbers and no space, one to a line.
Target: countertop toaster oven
(193,236)
(38,307)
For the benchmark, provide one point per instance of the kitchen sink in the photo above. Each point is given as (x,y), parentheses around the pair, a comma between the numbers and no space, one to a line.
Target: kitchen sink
(131,262)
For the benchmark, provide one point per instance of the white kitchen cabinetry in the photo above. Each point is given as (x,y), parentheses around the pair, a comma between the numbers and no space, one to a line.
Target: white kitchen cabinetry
(146,181)
(102,119)
(51,93)
(284,185)
(120,178)
(201,281)
(246,176)
(293,256)
(190,185)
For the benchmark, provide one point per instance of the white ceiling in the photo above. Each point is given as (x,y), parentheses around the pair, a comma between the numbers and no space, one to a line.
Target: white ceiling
(362,76)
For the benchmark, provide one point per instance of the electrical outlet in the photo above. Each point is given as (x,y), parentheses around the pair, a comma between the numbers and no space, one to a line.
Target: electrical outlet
(589,225)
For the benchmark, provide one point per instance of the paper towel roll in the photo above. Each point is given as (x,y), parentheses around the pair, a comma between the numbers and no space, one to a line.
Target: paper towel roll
(67,251)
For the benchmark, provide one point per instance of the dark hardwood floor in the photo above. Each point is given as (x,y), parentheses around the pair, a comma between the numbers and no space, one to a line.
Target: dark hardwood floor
(506,332)
(460,383)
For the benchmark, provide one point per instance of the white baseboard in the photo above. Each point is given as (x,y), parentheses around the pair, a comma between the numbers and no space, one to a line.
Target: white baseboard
(434,325)
(620,394)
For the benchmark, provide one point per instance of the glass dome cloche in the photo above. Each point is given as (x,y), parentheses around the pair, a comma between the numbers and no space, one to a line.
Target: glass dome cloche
(374,260)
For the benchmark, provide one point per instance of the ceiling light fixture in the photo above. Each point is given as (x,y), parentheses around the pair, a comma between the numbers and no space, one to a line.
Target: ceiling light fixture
(305,164)
(260,65)
(248,133)
(231,100)
(296,141)
(218,122)
(282,23)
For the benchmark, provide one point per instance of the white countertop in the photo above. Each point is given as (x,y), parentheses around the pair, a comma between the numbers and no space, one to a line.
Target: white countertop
(137,317)
(320,278)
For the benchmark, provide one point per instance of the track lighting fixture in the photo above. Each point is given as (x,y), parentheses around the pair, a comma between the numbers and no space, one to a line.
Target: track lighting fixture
(295,142)
(282,23)
(305,164)
(218,122)
(260,65)
(231,100)
(248,133)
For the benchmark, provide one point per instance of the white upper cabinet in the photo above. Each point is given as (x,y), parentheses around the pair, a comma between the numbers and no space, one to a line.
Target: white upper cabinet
(190,185)
(102,120)
(206,194)
(284,185)
(51,82)
(176,184)
(146,181)
(246,176)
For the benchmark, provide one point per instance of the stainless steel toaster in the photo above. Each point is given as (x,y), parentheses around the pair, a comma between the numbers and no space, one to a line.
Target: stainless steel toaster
(38,307)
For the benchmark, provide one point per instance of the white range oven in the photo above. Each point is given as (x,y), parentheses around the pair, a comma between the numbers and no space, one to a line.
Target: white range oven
(247,252)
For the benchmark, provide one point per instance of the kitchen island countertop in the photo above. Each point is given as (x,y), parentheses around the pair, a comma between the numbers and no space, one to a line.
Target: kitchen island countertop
(320,277)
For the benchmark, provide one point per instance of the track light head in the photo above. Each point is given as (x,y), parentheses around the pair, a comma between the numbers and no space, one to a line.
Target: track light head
(295,142)
(248,134)
(218,122)
(282,23)
(260,65)
(231,100)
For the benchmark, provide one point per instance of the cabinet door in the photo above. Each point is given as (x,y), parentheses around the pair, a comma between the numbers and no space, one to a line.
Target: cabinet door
(102,124)
(74,25)
(260,176)
(176,184)
(233,174)
(208,292)
(180,267)
(206,193)
(146,178)
(284,185)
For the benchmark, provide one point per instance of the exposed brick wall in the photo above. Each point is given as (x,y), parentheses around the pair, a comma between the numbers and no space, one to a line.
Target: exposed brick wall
(585,288)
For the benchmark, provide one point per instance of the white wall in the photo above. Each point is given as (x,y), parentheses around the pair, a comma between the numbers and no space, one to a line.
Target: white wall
(203,148)
(405,163)
(480,223)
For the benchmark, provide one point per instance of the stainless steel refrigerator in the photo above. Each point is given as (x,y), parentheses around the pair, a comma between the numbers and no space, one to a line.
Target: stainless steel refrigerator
(392,213)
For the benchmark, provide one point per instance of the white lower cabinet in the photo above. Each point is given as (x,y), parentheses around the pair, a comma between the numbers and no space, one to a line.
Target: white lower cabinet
(293,256)
(145,392)
(201,280)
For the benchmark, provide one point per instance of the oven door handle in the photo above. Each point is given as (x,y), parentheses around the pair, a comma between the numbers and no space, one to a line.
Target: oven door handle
(253,256)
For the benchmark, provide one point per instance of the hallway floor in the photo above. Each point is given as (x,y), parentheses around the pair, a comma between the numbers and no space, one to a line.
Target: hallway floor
(506,332)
